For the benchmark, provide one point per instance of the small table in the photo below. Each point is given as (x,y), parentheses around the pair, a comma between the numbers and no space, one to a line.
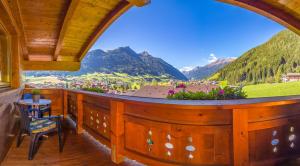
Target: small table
(36,105)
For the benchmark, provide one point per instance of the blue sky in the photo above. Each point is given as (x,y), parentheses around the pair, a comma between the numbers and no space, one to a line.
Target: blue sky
(188,32)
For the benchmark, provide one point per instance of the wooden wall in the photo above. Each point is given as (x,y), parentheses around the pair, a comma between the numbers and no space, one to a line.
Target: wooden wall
(10,51)
(8,120)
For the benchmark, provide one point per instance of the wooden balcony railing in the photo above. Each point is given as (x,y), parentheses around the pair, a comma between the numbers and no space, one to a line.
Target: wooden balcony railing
(166,132)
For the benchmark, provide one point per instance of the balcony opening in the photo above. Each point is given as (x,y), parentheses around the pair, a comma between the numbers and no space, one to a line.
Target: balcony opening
(229,54)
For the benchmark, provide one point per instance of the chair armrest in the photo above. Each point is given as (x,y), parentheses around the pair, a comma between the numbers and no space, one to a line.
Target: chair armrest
(49,117)
(44,108)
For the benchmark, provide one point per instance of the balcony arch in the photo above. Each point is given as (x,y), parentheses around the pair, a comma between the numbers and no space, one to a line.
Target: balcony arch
(286,13)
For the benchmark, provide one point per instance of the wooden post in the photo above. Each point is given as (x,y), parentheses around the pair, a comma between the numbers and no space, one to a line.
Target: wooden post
(79,122)
(16,69)
(65,103)
(117,131)
(240,137)
(5,59)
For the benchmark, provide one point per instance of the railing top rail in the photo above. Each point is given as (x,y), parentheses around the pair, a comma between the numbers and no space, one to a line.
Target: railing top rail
(238,103)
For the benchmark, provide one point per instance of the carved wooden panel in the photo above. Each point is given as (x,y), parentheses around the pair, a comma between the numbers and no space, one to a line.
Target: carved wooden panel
(179,144)
(72,105)
(96,118)
(279,139)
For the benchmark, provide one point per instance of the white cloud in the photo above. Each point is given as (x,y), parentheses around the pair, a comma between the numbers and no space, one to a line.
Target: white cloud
(187,68)
(212,58)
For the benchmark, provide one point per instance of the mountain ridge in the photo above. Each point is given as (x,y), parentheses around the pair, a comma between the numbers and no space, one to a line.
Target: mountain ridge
(122,60)
(201,72)
(265,63)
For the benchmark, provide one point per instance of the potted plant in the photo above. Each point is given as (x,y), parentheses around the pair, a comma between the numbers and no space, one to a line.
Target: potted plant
(36,95)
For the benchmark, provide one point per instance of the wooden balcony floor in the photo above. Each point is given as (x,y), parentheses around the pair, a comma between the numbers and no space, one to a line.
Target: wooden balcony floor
(78,150)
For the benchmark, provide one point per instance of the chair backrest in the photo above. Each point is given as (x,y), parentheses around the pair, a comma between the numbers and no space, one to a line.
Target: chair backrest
(25,116)
(27,96)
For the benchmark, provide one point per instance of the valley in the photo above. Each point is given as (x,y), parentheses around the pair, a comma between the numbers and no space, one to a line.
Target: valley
(123,71)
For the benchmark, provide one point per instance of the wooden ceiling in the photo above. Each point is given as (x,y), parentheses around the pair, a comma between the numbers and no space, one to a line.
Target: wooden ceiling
(285,12)
(56,34)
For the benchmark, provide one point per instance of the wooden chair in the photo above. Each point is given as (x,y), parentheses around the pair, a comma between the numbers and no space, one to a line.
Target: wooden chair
(27,96)
(37,127)
(43,109)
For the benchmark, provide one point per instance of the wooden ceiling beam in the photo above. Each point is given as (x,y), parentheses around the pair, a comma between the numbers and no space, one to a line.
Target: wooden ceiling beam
(51,65)
(19,20)
(8,19)
(139,3)
(267,10)
(69,14)
(122,7)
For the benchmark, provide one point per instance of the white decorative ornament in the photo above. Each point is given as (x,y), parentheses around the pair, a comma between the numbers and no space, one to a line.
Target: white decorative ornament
(292,137)
(190,139)
(169,137)
(292,129)
(190,148)
(191,156)
(275,149)
(292,145)
(104,124)
(274,133)
(169,145)
(275,142)
(169,153)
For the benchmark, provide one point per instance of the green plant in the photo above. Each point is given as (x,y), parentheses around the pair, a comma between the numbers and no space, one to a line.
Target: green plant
(36,91)
(95,89)
(215,94)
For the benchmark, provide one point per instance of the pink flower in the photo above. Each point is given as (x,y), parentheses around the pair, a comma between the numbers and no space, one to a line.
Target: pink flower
(221,92)
(171,92)
(182,85)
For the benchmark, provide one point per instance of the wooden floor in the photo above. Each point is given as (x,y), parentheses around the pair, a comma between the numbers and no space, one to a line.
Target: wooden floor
(79,150)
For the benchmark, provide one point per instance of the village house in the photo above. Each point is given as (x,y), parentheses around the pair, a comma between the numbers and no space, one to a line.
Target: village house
(289,77)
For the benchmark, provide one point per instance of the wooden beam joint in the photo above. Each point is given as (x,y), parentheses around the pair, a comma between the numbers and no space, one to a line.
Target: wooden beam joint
(51,65)
(139,3)
(68,16)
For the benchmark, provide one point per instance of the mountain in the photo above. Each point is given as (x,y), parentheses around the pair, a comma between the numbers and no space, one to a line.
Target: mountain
(266,62)
(202,72)
(122,60)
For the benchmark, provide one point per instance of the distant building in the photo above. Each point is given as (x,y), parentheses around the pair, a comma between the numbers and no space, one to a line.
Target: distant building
(289,77)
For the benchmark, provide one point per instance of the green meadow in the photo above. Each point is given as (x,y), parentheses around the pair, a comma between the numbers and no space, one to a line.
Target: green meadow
(274,89)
